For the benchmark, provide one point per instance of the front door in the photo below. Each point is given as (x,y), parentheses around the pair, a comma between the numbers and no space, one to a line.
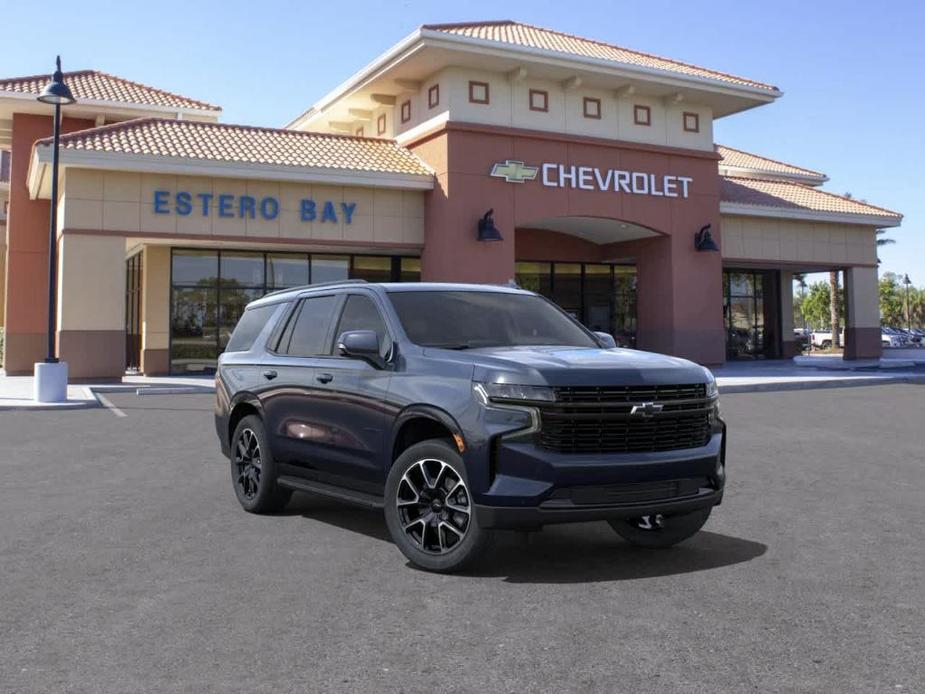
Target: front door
(133,285)
(751,313)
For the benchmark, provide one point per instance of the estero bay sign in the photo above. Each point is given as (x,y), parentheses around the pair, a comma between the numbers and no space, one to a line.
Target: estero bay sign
(594,178)
(185,203)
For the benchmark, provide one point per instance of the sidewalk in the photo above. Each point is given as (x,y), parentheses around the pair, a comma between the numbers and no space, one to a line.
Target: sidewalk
(16,391)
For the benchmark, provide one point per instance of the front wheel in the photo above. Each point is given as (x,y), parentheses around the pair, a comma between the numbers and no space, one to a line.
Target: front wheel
(658,531)
(429,509)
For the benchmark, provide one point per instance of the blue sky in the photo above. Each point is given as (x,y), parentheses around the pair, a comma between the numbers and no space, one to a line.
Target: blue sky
(851,72)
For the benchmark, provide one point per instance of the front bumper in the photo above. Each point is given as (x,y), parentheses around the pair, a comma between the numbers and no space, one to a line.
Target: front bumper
(532,486)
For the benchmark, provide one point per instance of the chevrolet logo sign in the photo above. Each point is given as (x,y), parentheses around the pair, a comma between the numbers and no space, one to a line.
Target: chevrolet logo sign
(646,409)
(514,171)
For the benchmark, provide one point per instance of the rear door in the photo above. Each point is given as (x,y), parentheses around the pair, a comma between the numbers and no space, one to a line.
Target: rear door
(290,397)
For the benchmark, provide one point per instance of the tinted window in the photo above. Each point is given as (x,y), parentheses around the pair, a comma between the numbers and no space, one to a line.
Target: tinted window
(360,313)
(308,333)
(460,320)
(249,327)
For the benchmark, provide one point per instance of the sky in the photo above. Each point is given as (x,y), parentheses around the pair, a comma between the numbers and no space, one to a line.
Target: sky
(851,71)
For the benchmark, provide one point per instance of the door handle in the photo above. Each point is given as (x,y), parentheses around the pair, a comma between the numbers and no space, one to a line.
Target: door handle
(324,378)
(270,374)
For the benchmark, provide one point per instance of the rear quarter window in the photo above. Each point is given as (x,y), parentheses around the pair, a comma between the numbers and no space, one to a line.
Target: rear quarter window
(249,327)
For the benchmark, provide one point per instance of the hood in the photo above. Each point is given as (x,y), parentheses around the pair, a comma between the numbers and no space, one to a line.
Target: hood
(570,366)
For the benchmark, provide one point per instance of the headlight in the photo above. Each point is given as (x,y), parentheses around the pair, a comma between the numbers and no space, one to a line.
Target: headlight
(712,388)
(510,392)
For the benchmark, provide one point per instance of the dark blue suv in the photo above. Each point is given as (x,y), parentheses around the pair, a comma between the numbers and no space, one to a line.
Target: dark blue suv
(458,409)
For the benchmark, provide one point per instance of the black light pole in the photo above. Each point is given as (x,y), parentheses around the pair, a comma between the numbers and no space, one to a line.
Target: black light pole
(56,92)
(907,282)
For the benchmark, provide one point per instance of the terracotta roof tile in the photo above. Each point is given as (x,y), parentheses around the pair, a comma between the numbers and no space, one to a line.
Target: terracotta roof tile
(93,85)
(794,196)
(515,33)
(738,159)
(245,144)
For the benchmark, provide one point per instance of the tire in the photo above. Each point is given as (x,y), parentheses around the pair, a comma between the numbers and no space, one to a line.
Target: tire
(253,470)
(826,344)
(429,509)
(673,529)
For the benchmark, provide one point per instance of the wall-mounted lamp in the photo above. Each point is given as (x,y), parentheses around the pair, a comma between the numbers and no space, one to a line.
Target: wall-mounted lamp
(703,240)
(487,229)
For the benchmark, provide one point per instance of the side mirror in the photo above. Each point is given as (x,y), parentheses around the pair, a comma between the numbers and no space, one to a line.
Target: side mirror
(360,344)
(606,340)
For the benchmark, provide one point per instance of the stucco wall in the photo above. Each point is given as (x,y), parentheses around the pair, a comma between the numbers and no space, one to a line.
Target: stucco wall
(123,202)
(509,106)
(782,240)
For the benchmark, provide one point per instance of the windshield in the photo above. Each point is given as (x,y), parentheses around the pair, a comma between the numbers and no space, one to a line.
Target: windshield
(470,319)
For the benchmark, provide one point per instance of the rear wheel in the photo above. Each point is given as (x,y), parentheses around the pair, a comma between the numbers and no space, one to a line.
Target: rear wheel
(253,470)
(429,510)
(658,531)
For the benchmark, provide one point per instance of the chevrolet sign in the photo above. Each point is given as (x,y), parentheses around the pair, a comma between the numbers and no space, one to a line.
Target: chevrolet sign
(594,178)
(514,171)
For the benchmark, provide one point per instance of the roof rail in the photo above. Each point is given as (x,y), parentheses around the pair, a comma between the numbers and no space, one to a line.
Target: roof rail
(333,283)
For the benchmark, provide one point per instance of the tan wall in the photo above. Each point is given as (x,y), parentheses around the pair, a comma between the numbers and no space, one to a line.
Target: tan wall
(781,240)
(91,282)
(509,106)
(155,310)
(124,202)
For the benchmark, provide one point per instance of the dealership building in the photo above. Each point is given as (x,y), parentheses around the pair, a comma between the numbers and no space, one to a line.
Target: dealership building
(490,152)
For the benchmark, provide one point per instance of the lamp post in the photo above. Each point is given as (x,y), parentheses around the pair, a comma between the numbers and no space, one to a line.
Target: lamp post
(907,282)
(51,375)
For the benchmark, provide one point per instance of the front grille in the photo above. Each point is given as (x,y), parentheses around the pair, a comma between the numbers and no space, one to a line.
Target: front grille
(597,419)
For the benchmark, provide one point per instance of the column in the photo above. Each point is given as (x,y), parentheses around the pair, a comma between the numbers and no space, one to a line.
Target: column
(862,331)
(789,345)
(91,305)
(155,311)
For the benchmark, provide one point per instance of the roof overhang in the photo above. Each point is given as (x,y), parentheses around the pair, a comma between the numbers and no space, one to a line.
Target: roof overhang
(39,177)
(426,51)
(744,172)
(868,220)
(22,102)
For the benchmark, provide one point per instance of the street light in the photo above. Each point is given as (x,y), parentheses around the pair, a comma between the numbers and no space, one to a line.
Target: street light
(51,375)
(907,282)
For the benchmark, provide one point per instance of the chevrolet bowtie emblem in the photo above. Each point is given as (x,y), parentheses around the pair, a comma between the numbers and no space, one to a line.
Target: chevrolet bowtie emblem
(514,171)
(646,409)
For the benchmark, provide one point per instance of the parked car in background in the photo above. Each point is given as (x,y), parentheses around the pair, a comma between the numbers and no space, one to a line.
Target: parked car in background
(804,337)
(822,339)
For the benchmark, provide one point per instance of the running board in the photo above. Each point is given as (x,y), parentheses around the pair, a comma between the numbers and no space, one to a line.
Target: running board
(349,496)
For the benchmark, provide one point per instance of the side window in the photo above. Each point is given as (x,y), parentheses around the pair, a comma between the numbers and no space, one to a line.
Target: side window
(360,313)
(249,327)
(305,336)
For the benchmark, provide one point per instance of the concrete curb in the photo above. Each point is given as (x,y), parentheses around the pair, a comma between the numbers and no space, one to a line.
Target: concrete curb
(93,399)
(818,385)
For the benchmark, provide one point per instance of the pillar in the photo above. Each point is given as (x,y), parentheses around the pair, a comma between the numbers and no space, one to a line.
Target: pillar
(862,326)
(679,300)
(789,345)
(26,313)
(155,311)
(91,305)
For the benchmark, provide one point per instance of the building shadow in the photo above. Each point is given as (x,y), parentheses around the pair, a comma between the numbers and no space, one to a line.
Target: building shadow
(570,553)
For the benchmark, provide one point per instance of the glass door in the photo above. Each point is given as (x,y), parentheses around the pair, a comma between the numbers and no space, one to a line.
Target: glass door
(133,286)
(750,314)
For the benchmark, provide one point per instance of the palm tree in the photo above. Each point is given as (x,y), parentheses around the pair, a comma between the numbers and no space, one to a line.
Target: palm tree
(883,241)
(833,307)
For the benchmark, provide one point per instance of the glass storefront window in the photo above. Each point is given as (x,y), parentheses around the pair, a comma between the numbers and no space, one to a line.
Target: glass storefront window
(242,269)
(196,268)
(566,287)
(602,296)
(536,277)
(372,268)
(330,268)
(410,270)
(749,330)
(211,288)
(286,270)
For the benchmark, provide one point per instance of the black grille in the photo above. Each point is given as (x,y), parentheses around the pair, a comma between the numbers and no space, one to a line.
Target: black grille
(598,419)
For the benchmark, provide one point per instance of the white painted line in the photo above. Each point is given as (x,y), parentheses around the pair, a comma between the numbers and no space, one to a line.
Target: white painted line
(105,402)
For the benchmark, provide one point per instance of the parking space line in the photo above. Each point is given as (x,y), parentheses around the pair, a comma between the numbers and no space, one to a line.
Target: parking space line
(105,402)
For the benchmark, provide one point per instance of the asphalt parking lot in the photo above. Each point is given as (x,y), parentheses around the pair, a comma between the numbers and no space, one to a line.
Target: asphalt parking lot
(126,565)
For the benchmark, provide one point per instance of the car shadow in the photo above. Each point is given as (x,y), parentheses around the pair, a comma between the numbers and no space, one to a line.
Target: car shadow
(571,553)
